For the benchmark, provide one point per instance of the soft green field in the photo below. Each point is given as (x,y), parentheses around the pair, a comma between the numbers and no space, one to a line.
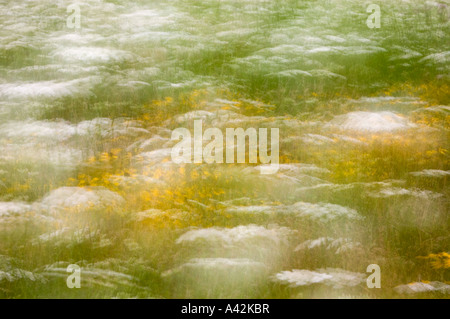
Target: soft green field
(86,175)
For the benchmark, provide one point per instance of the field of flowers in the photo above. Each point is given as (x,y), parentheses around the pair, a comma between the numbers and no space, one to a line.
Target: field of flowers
(87,178)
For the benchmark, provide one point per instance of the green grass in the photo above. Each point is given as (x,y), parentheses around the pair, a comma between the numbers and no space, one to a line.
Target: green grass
(395,232)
